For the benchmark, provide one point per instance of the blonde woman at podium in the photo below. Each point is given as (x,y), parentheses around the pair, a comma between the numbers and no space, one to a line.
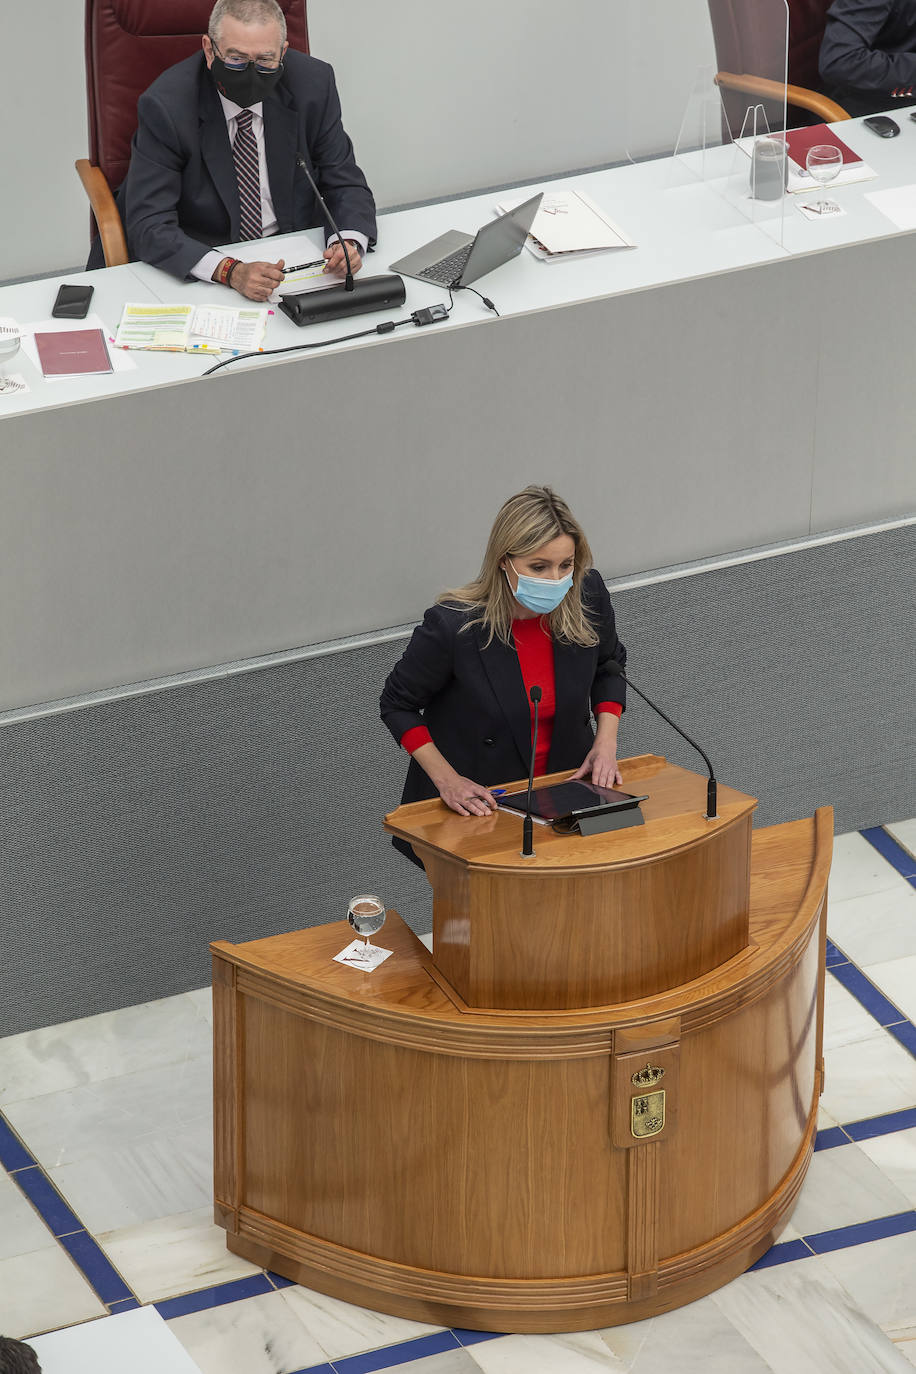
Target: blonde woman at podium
(536,615)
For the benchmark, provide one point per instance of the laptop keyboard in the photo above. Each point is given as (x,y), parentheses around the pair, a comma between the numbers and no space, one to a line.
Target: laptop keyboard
(445,271)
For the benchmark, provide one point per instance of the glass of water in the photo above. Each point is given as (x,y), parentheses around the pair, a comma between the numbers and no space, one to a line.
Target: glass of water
(366,915)
(823,163)
(10,334)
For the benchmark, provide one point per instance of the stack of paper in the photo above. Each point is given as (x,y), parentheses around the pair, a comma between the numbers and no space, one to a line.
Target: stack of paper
(192,328)
(569,224)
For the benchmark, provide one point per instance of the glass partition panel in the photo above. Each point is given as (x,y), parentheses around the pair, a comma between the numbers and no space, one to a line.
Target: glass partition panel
(706,88)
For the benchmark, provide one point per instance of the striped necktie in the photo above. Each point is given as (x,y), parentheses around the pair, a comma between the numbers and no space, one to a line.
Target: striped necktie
(245,156)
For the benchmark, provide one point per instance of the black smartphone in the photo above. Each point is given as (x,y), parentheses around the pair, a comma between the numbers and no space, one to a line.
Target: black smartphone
(72,302)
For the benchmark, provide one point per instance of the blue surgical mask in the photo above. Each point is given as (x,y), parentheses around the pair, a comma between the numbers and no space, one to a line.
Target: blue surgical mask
(540,594)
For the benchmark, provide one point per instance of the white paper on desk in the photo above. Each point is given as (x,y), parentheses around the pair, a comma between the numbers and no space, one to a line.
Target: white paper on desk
(569,222)
(898,204)
(120,361)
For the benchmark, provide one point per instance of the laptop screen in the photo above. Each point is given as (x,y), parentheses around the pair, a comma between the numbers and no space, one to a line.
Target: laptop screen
(500,241)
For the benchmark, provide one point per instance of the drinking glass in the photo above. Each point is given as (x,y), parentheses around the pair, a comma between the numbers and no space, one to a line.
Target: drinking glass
(9,347)
(823,163)
(366,915)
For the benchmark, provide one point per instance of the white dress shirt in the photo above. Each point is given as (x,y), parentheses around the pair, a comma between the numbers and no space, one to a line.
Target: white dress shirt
(208,264)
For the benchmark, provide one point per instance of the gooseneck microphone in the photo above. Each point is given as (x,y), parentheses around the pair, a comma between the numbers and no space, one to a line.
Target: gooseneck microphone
(352,297)
(711,787)
(528,826)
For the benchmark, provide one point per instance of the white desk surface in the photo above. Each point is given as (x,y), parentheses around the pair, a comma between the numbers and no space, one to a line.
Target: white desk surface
(684,230)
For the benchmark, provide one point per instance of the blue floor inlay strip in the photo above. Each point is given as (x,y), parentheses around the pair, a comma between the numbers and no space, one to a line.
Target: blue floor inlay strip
(783,1253)
(830,1138)
(250,1287)
(864,991)
(881,1125)
(13,1154)
(889,849)
(48,1202)
(906,1034)
(279,1281)
(124,1305)
(834,955)
(96,1266)
(402,1353)
(467,1337)
(316,1369)
(862,1232)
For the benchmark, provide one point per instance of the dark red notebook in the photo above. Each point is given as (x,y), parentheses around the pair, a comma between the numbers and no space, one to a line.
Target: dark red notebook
(73,352)
(799,141)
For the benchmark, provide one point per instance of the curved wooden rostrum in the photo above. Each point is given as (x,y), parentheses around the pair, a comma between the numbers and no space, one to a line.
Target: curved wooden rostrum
(380,1139)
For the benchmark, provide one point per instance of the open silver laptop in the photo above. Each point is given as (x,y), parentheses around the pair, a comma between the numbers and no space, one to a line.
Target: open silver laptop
(455,259)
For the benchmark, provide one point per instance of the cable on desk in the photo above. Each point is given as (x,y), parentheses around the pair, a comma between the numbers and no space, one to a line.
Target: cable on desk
(430,314)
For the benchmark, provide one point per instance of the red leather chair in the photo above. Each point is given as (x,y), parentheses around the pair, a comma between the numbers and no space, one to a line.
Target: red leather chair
(128,44)
(749,55)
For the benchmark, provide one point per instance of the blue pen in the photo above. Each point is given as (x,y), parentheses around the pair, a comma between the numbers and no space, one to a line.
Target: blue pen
(498,791)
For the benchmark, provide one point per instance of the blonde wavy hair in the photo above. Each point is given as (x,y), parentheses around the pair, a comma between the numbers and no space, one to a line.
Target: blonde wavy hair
(527,521)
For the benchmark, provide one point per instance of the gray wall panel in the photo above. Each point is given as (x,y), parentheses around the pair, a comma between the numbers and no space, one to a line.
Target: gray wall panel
(137,830)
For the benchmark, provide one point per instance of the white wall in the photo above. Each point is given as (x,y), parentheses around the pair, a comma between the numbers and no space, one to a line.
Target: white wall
(520,89)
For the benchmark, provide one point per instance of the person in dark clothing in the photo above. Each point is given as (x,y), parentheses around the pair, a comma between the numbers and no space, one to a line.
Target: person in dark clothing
(868,55)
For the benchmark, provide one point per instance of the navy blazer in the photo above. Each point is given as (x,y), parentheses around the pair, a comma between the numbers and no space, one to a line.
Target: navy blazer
(870,46)
(472,698)
(181,195)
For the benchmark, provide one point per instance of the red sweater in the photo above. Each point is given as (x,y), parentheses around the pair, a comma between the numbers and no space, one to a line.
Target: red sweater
(534,646)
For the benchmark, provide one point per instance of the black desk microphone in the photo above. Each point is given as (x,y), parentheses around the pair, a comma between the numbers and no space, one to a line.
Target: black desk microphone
(528,827)
(351,297)
(711,788)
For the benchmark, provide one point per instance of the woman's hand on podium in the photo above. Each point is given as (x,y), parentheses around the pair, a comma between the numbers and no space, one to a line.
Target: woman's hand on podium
(459,794)
(601,760)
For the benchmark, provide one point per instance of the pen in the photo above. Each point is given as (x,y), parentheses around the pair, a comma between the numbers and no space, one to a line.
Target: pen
(302,266)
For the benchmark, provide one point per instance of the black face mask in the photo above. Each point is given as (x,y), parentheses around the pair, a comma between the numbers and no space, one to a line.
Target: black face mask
(246,87)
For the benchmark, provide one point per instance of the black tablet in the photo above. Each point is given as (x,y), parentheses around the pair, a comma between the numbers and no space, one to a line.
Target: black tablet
(566,801)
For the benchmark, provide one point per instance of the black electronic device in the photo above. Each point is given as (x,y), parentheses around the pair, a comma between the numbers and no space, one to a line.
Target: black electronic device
(352,297)
(385,292)
(577,807)
(883,126)
(72,302)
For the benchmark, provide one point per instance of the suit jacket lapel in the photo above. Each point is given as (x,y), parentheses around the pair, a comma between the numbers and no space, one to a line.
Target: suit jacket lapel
(280,149)
(572,701)
(217,153)
(501,665)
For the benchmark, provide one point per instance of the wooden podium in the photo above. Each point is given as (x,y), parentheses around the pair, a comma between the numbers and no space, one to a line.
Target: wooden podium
(595,1101)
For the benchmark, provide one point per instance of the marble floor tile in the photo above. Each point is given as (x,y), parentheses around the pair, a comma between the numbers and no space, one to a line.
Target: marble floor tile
(908,1349)
(881,1278)
(580,1352)
(858,870)
(63,1127)
(103,1046)
(895,1156)
(180,1254)
(696,1339)
(341,1329)
(904,832)
(804,1322)
(41,1290)
(261,1335)
(138,1341)
(202,1001)
(871,929)
(449,1362)
(825,1121)
(845,1019)
(844,1186)
(21,1228)
(868,1078)
(897,979)
(155,1176)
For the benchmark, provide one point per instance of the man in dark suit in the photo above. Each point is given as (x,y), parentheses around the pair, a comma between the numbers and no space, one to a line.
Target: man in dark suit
(868,54)
(215,156)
